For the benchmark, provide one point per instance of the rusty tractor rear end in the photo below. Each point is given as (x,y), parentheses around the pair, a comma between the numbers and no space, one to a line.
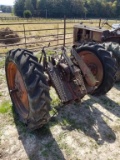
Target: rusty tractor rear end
(87,69)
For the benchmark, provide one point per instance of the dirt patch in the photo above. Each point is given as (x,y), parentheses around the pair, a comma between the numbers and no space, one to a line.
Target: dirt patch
(8,36)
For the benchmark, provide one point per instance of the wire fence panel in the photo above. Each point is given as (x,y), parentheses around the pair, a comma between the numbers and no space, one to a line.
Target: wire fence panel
(31,35)
(36,34)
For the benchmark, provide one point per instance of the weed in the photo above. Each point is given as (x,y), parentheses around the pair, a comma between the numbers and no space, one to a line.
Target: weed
(5,107)
(61,136)
(65,122)
(64,146)
(2,63)
(55,100)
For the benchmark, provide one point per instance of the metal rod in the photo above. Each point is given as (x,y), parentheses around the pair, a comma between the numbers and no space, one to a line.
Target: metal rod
(64,30)
(24,35)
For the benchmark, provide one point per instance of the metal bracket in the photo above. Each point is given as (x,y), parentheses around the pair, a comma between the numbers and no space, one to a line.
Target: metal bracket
(89,77)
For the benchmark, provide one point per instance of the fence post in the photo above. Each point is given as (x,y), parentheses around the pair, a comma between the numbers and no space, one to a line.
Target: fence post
(24,35)
(57,33)
(64,30)
(99,22)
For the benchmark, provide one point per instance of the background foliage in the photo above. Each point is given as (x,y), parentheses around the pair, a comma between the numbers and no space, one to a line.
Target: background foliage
(70,8)
(6,9)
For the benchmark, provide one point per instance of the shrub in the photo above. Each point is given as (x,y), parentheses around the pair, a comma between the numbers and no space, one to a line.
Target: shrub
(27,14)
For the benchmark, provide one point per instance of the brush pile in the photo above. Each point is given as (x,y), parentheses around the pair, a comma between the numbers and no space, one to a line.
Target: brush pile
(8,36)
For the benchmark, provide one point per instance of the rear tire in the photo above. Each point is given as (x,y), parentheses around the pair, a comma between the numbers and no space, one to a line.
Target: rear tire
(108,66)
(28,88)
(115,49)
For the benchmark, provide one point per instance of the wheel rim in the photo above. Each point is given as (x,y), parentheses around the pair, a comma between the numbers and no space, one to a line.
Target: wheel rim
(94,64)
(17,90)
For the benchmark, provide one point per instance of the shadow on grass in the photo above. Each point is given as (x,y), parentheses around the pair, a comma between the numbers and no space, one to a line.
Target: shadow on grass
(39,144)
(87,119)
(109,104)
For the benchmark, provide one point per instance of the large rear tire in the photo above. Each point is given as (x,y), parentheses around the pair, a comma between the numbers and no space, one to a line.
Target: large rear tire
(102,65)
(115,49)
(28,88)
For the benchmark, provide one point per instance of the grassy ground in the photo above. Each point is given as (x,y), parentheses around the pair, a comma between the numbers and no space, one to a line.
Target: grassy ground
(6,15)
(87,130)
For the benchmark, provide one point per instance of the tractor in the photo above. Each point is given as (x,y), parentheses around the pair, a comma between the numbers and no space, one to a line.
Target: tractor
(85,69)
(109,39)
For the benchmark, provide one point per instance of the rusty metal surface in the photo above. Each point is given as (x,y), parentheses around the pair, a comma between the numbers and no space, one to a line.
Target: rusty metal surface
(17,89)
(84,33)
(92,68)
(89,28)
(22,93)
(90,78)
(60,85)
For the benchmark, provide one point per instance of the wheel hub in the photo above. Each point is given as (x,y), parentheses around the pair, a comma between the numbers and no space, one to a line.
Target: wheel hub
(93,68)
(94,64)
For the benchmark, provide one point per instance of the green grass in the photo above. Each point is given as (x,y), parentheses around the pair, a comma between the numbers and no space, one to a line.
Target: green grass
(55,100)
(2,63)
(5,107)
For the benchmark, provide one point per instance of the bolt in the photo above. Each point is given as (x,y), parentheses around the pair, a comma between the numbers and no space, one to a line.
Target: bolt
(13,90)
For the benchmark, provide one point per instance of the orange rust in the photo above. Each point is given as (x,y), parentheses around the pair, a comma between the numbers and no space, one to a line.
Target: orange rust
(22,93)
(94,64)
(19,96)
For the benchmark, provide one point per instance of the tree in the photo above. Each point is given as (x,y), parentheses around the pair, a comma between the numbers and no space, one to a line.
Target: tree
(77,8)
(29,6)
(27,14)
(6,9)
(118,9)
(19,8)
(34,3)
(70,8)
